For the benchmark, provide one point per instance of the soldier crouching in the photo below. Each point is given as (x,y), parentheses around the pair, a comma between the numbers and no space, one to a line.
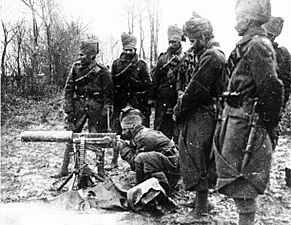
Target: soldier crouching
(149,153)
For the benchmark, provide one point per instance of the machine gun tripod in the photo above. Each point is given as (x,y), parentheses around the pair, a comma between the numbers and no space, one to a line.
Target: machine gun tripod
(82,174)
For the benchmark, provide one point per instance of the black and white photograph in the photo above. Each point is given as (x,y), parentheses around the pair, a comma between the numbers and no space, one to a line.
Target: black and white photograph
(145,112)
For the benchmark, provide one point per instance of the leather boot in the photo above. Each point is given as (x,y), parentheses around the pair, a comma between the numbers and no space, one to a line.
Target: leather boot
(66,160)
(247,210)
(201,203)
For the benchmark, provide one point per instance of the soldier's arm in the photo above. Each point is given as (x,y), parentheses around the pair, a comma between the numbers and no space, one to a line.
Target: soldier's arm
(69,92)
(269,88)
(127,153)
(146,77)
(284,71)
(156,79)
(107,87)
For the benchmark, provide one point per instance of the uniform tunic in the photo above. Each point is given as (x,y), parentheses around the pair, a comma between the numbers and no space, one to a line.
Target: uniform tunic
(151,154)
(164,92)
(283,69)
(132,82)
(88,91)
(252,74)
(198,124)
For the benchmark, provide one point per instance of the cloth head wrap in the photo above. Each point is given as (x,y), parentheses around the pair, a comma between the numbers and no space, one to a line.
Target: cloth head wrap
(274,26)
(196,27)
(130,117)
(89,47)
(128,40)
(259,10)
(175,33)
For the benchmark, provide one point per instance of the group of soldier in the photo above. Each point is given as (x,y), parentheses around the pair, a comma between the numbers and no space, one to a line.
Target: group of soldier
(216,120)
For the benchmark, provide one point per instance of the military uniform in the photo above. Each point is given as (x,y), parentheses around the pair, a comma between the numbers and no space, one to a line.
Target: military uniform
(283,69)
(252,75)
(132,82)
(274,28)
(151,154)
(197,117)
(88,93)
(164,92)
(186,70)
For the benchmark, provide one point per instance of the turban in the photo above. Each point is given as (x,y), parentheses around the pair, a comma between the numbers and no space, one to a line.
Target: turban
(274,26)
(128,40)
(259,10)
(130,117)
(195,27)
(175,33)
(89,47)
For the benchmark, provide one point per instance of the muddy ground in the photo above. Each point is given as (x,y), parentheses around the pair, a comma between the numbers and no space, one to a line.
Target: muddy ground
(26,169)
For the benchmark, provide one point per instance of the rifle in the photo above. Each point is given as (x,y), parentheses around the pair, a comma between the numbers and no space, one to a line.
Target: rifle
(82,173)
(175,57)
(253,123)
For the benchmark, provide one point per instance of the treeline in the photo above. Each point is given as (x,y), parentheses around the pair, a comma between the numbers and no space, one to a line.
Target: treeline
(38,50)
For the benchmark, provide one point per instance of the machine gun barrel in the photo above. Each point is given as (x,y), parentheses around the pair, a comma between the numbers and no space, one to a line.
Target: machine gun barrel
(100,139)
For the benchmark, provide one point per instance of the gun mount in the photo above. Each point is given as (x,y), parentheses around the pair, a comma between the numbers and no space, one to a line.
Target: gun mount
(82,173)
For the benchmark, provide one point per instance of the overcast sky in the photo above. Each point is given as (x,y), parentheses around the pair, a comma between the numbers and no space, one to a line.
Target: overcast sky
(106,17)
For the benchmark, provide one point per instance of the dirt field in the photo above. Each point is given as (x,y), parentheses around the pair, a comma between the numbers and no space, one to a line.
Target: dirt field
(26,169)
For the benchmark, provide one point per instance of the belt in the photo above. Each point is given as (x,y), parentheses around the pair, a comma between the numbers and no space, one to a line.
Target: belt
(96,94)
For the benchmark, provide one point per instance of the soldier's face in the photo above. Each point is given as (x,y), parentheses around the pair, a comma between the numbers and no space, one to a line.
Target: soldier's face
(127,133)
(175,45)
(242,25)
(85,58)
(198,43)
(129,52)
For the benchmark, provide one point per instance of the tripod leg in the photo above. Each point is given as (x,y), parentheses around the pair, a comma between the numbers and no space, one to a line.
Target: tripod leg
(74,180)
(66,181)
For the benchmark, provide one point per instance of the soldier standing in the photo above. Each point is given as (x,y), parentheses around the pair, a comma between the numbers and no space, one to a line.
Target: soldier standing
(195,113)
(150,153)
(88,95)
(132,81)
(164,84)
(251,112)
(273,29)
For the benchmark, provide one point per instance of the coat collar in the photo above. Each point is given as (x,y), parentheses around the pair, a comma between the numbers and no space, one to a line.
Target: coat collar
(250,33)
(137,129)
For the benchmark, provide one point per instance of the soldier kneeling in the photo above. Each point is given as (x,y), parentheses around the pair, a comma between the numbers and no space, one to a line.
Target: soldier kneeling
(149,153)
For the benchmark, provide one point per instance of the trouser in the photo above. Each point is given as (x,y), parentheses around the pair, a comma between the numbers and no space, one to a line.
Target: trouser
(201,204)
(155,164)
(247,210)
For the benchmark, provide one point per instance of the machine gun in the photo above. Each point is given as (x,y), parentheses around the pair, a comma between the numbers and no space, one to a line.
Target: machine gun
(82,174)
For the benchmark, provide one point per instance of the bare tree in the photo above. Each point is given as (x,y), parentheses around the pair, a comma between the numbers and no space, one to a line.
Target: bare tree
(19,36)
(7,38)
(154,14)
